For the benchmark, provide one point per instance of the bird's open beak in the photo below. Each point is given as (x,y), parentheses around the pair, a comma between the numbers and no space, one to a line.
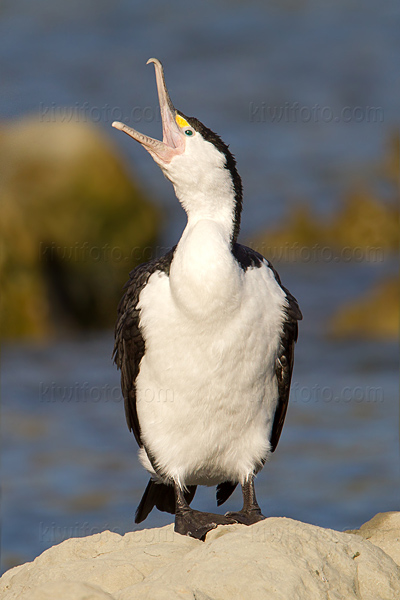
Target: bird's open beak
(173,140)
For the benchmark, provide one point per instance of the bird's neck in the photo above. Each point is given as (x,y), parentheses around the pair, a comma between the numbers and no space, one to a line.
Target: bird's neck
(210,197)
(218,208)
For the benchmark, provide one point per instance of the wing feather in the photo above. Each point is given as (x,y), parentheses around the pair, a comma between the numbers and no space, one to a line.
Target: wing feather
(284,360)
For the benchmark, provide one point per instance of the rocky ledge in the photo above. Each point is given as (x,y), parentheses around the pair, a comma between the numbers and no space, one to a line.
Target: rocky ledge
(275,559)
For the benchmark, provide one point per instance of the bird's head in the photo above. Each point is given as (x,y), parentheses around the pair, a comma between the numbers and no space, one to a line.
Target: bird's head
(196,161)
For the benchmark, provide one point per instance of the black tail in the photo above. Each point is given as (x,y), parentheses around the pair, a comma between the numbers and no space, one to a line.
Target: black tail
(161,496)
(224,491)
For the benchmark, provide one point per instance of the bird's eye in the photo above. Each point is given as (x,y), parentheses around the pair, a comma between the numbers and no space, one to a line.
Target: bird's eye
(188,132)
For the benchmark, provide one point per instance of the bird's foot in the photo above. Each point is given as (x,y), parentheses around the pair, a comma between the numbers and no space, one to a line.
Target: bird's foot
(197,524)
(246,517)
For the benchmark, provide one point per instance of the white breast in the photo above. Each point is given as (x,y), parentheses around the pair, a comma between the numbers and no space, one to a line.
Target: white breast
(206,390)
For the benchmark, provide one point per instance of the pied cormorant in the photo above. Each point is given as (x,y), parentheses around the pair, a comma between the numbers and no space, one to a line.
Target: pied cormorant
(204,338)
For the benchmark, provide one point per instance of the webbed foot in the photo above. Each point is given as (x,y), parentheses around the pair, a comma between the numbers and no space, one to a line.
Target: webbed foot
(197,524)
(246,517)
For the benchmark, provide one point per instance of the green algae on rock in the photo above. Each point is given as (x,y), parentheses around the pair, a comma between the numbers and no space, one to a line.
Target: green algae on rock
(73,224)
(363,227)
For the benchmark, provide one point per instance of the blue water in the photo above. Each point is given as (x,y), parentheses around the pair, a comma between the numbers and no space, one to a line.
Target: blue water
(69,464)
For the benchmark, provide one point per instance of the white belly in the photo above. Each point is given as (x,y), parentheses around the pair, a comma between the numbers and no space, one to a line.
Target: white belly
(206,390)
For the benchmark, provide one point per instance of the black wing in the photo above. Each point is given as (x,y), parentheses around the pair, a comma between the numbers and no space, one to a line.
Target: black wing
(246,258)
(129,345)
(284,360)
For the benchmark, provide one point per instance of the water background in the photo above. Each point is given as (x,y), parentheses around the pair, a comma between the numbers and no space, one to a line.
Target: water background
(69,463)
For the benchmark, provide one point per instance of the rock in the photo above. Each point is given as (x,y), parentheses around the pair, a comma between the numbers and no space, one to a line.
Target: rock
(383,531)
(391,164)
(73,224)
(276,559)
(375,316)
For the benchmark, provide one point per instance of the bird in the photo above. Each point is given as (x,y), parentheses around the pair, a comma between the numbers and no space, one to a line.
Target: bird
(204,338)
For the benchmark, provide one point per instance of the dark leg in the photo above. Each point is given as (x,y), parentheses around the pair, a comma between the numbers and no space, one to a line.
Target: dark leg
(251,512)
(195,523)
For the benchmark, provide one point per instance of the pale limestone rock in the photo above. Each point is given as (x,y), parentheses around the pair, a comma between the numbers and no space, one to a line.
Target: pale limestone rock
(383,531)
(276,559)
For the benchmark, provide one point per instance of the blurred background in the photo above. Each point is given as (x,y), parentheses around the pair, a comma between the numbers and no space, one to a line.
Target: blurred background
(307,95)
